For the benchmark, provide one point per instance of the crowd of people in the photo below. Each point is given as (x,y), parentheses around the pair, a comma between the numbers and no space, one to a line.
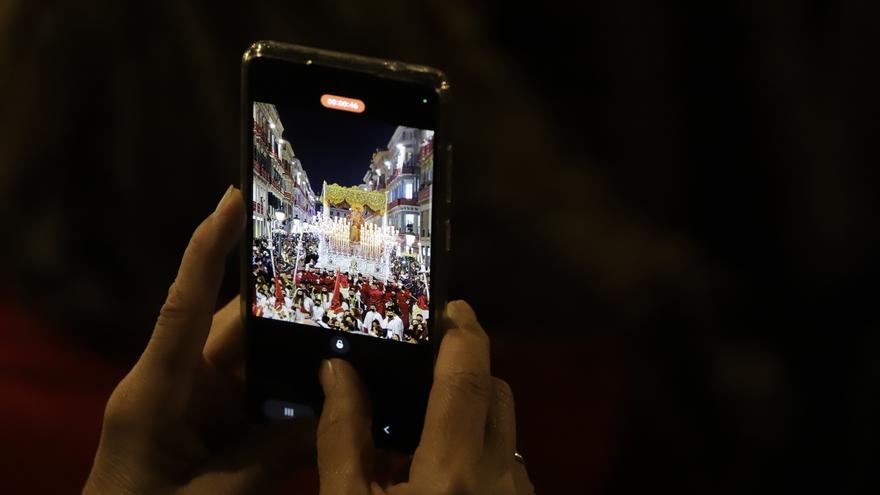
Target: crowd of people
(396,309)
(287,247)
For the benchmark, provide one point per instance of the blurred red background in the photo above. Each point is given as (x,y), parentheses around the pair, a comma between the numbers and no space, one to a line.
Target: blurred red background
(664,215)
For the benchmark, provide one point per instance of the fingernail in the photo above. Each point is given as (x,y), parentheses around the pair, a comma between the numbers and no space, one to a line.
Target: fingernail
(327,375)
(226,196)
(460,312)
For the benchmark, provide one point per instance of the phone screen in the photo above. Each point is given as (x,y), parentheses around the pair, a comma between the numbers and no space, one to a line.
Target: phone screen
(340,181)
(341,220)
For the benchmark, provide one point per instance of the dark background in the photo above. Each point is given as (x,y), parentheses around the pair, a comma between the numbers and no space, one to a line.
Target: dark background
(664,216)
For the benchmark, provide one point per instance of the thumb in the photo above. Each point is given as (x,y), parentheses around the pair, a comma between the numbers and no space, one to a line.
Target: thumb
(345,446)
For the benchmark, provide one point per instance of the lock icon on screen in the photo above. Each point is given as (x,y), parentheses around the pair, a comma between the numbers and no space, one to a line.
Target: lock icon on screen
(339,344)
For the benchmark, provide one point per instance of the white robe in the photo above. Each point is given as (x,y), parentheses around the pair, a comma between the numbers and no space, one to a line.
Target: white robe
(317,313)
(395,327)
(373,315)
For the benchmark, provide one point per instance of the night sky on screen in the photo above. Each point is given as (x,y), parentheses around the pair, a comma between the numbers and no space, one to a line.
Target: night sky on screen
(333,145)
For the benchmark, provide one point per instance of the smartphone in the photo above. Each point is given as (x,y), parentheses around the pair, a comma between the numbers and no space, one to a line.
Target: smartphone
(345,172)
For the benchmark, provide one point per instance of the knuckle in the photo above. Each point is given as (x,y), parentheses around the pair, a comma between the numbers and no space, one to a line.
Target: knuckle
(132,409)
(472,332)
(461,482)
(175,306)
(119,411)
(114,413)
(469,383)
(203,242)
(199,241)
(503,392)
(326,426)
(481,337)
(332,422)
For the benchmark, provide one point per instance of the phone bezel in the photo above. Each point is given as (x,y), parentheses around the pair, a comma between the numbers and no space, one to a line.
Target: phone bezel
(401,75)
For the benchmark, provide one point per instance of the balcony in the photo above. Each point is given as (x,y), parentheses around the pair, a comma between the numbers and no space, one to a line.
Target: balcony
(261,171)
(426,150)
(406,169)
(402,201)
(258,208)
(279,187)
(259,134)
(425,194)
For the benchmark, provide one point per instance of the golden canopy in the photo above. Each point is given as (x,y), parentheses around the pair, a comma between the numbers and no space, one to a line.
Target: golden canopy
(357,198)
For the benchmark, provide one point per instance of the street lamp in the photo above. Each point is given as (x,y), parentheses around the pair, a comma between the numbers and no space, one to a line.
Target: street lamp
(410,239)
(280,216)
(297,229)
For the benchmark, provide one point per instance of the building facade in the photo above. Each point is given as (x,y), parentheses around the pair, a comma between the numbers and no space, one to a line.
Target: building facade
(402,183)
(405,171)
(299,194)
(425,194)
(280,183)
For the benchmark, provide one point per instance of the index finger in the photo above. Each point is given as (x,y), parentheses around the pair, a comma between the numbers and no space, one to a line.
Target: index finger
(457,407)
(224,347)
(184,320)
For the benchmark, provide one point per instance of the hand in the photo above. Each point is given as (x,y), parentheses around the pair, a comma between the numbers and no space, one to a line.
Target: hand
(469,436)
(176,422)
